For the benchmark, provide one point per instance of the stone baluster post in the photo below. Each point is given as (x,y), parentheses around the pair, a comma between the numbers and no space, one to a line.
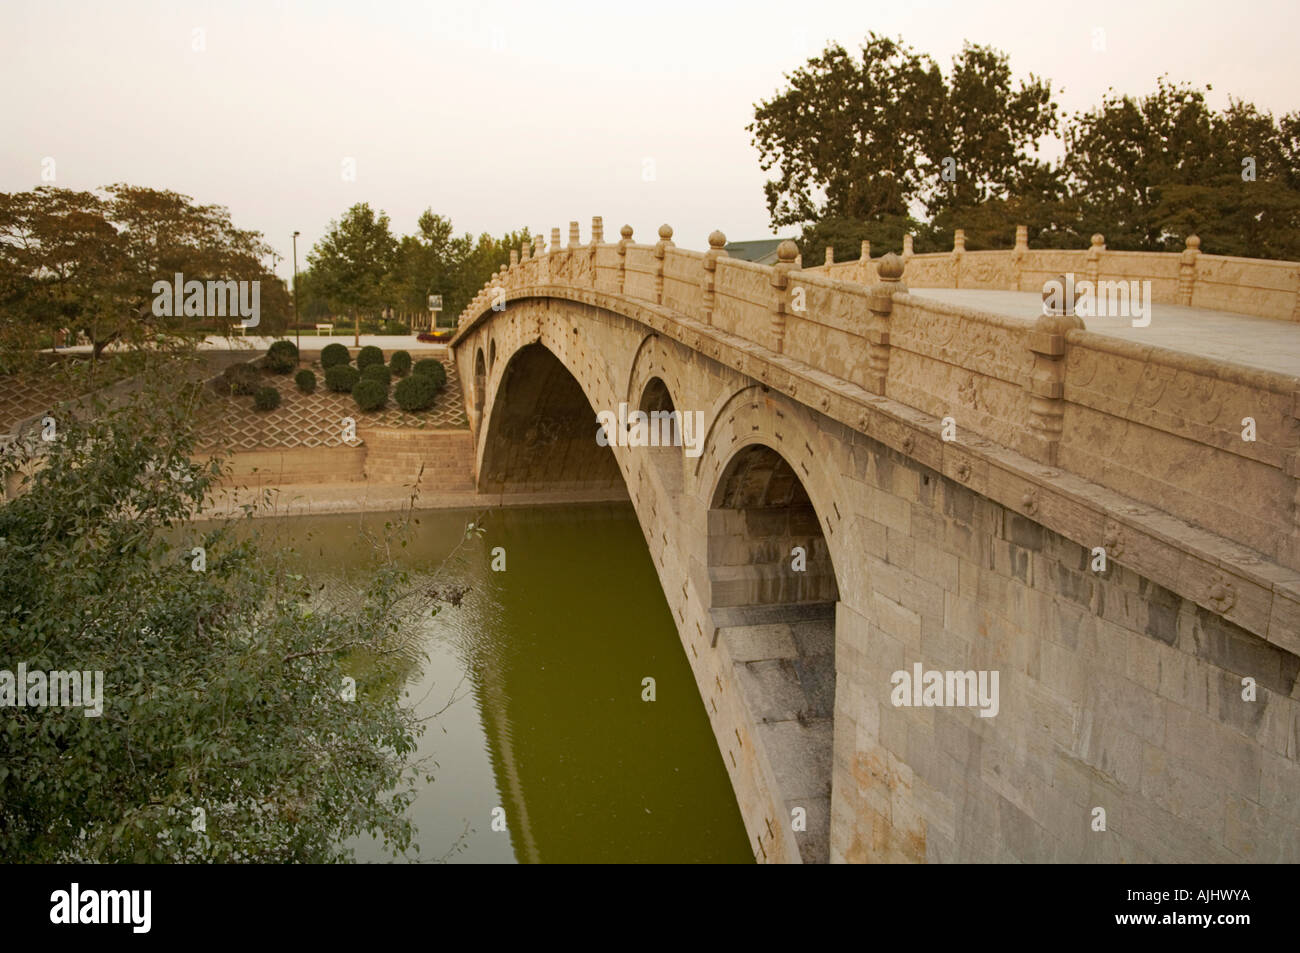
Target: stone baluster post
(717,249)
(541,269)
(907,246)
(1187,269)
(787,254)
(958,253)
(597,238)
(1094,259)
(830,257)
(1046,384)
(1018,253)
(661,248)
(880,301)
(864,263)
(574,238)
(554,261)
(623,242)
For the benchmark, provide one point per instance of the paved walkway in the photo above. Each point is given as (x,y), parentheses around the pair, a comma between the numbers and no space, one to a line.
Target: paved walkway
(1263,343)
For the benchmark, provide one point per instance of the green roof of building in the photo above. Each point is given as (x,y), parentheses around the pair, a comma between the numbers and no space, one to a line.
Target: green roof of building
(762,251)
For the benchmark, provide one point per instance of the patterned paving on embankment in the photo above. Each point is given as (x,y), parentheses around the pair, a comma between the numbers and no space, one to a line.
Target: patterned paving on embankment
(317,419)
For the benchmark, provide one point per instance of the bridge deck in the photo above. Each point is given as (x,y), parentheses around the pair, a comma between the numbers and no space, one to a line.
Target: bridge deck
(1263,343)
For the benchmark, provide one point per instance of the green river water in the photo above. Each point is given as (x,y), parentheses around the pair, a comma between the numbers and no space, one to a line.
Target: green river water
(546,660)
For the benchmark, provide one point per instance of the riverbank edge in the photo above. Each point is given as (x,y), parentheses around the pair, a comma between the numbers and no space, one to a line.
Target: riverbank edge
(366,497)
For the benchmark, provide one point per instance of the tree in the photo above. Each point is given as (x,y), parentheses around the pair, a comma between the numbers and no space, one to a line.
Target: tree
(227,731)
(847,137)
(863,147)
(350,263)
(984,133)
(1148,171)
(86,262)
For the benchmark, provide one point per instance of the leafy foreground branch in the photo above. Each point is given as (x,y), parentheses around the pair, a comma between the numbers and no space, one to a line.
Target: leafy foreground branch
(226,733)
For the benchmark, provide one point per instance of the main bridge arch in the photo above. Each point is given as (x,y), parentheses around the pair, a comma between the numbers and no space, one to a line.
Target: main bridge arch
(722,519)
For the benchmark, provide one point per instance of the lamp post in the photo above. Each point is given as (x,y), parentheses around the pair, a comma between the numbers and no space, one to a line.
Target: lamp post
(297,318)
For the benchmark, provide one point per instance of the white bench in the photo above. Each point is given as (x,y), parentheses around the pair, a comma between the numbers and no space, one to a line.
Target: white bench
(325,327)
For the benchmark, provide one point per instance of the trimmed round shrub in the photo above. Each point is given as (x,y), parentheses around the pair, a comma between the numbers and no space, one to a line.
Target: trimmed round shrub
(266,398)
(432,369)
(305,380)
(378,372)
(334,355)
(241,379)
(400,363)
(341,378)
(282,357)
(370,394)
(369,355)
(416,392)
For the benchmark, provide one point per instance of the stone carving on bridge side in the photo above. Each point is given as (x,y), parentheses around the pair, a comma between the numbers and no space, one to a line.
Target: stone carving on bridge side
(881,305)
(623,242)
(787,253)
(661,248)
(709,284)
(1047,379)
(1187,269)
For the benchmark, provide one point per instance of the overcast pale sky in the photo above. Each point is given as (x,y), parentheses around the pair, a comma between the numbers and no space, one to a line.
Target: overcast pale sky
(501,115)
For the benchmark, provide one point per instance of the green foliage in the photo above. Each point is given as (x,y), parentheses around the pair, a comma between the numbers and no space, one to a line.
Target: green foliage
(432,369)
(1146,172)
(306,380)
(221,688)
(404,273)
(88,261)
(266,398)
(377,372)
(348,265)
(415,393)
(370,394)
(333,354)
(242,379)
(369,355)
(400,363)
(862,145)
(341,378)
(282,357)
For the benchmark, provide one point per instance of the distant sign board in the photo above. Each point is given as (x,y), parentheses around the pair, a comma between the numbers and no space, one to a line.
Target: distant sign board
(435,302)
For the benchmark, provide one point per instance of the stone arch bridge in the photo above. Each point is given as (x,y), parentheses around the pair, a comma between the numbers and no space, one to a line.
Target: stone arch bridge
(905,468)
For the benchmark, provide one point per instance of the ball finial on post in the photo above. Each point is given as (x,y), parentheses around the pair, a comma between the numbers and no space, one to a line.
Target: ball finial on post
(890,267)
(717,240)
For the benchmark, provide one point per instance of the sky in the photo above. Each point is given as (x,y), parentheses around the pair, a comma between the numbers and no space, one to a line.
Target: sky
(504,115)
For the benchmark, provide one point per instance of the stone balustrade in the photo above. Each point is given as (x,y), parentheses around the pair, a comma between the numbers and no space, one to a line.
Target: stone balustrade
(1255,286)
(1160,428)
